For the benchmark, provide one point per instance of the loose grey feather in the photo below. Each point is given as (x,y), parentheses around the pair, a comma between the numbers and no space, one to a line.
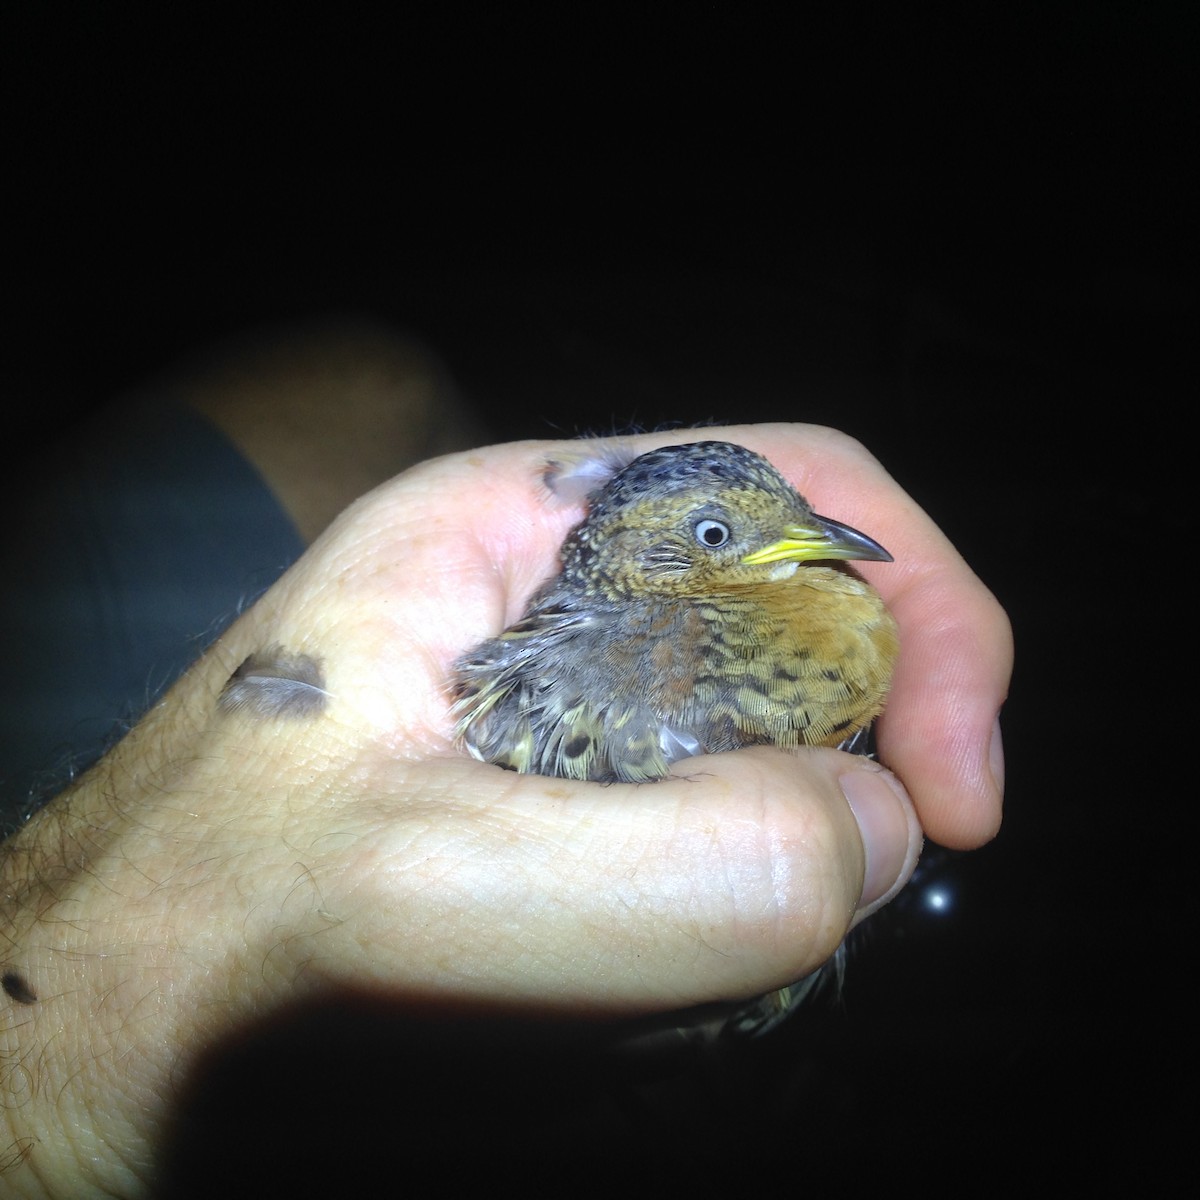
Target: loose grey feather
(276,683)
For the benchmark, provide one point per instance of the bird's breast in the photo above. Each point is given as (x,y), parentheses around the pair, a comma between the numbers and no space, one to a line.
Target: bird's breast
(807,660)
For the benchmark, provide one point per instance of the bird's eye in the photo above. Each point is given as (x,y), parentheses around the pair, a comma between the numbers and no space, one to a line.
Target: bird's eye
(712,533)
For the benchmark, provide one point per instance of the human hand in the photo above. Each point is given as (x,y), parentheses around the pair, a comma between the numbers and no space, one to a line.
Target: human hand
(220,863)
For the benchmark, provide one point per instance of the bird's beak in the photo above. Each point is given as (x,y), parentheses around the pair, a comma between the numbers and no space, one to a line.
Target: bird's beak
(819,538)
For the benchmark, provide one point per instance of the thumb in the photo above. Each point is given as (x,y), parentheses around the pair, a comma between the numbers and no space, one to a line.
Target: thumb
(739,873)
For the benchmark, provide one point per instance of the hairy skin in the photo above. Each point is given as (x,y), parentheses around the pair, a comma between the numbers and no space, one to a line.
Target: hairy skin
(226,860)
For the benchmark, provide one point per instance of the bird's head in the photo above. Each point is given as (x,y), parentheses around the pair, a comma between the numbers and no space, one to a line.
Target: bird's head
(701,519)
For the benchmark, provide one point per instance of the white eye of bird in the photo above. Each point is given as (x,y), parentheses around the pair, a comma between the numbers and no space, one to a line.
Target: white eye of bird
(712,533)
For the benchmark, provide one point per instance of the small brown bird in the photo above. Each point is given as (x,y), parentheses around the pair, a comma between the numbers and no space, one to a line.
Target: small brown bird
(702,606)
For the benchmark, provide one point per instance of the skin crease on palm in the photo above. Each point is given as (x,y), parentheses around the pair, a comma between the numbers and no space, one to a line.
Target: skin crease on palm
(222,862)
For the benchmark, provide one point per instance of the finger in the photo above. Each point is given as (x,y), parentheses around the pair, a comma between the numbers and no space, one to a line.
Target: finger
(941,730)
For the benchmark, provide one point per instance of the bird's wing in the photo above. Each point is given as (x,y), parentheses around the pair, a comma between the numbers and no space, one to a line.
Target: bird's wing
(508,711)
(505,708)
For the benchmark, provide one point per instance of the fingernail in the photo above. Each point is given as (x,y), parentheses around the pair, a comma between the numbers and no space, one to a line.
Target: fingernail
(996,756)
(890,832)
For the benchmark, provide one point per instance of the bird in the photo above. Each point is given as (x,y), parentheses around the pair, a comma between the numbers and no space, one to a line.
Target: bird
(701,606)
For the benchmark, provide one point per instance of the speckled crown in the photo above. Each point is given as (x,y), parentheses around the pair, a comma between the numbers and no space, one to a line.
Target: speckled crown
(679,468)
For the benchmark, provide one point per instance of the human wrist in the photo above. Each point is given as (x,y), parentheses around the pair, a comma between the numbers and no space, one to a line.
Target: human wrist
(68,1095)
(118,954)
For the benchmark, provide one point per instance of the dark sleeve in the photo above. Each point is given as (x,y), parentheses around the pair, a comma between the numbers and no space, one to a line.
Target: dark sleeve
(132,544)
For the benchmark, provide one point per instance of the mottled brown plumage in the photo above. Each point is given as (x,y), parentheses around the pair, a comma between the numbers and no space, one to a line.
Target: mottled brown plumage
(702,606)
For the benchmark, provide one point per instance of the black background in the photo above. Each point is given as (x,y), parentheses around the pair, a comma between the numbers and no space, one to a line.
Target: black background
(961,233)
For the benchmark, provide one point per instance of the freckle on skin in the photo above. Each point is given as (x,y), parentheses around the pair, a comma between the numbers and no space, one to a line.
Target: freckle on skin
(17,989)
